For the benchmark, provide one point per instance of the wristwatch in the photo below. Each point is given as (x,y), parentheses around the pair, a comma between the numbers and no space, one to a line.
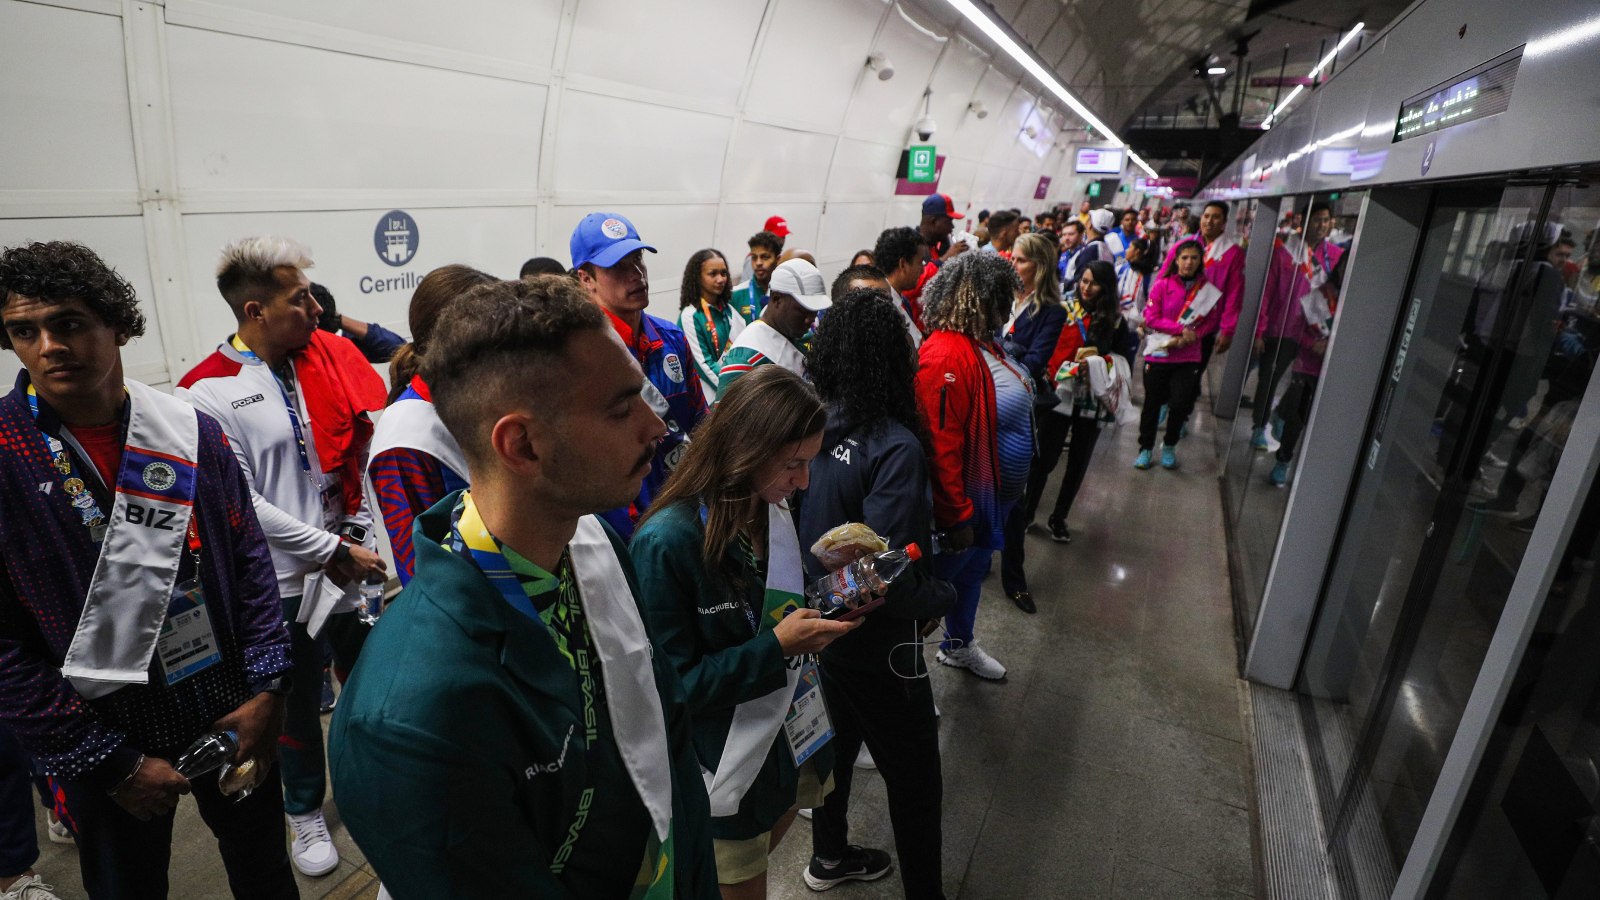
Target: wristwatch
(355,534)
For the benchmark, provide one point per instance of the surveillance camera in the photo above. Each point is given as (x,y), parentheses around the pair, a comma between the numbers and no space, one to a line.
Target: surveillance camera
(925,127)
(881,64)
(978,109)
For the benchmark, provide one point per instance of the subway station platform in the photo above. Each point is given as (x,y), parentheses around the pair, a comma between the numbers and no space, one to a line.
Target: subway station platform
(1110,764)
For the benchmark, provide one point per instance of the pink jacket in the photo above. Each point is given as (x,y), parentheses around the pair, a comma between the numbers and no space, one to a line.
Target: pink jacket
(1167,299)
(1227,273)
(1281,315)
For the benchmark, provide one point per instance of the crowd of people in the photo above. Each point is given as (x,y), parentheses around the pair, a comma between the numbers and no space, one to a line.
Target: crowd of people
(601,677)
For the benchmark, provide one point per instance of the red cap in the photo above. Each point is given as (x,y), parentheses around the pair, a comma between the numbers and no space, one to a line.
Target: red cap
(940,205)
(913,551)
(777,226)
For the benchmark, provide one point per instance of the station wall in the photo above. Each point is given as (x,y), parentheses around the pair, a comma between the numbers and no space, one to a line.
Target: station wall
(157,132)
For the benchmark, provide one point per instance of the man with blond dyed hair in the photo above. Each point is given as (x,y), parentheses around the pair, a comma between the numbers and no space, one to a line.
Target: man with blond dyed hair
(293,401)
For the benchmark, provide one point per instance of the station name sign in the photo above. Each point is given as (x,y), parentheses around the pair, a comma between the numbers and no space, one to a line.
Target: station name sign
(1478,93)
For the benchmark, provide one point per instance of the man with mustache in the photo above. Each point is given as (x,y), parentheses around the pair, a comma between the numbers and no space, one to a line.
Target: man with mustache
(293,401)
(509,730)
(778,337)
(608,256)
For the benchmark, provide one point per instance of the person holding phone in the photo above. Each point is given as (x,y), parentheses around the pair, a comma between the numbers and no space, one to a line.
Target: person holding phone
(872,470)
(719,567)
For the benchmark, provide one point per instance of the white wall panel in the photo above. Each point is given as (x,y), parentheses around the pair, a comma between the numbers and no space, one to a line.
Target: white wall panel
(342,122)
(610,146)
(694,48)
(522,31)
(886,110)
(846,228)
(972,136)
(740,220)
(769,162)
(64,101)
(866,170)
(495,239)
(814,53)
(118,240)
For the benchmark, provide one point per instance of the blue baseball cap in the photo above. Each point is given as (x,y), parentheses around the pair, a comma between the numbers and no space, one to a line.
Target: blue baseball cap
(604,239)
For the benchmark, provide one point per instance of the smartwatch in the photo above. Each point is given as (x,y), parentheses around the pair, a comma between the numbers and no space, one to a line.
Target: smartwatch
(355,534)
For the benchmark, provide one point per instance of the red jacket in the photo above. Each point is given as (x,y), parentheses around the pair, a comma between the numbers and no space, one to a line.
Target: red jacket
(955,394)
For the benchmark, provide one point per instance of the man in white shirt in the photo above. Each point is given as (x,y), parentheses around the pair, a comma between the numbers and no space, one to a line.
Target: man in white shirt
(293,402)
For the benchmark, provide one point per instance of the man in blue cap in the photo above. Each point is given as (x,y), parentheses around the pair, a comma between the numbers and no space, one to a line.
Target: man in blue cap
(608,256)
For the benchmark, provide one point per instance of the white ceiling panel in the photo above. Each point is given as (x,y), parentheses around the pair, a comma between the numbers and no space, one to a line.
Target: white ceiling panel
(83,119)
(664,46)
(386,125)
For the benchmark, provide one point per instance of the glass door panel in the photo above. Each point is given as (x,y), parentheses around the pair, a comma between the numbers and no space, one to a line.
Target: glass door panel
(1434,531)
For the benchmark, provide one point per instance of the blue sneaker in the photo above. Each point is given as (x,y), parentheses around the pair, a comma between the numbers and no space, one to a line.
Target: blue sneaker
(1142,461)
(1258,439)
(1280,474)
(1169,457)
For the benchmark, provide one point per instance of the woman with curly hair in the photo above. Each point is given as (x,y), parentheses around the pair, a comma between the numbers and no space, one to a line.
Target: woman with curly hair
(978,406)
(873,470)
(709,321)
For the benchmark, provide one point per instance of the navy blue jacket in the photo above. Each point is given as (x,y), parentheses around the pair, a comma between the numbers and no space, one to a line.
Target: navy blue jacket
(1031,341)
(877,475)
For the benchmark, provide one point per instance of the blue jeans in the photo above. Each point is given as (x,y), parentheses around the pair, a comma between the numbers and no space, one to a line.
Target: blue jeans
(965,571)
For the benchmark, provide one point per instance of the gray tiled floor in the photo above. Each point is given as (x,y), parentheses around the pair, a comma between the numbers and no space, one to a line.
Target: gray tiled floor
(1110,764)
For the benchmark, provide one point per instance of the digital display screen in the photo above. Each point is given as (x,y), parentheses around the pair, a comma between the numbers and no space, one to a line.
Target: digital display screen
(1476,94)
(1098,160)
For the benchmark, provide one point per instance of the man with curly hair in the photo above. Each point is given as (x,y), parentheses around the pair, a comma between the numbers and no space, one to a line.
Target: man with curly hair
(138,606)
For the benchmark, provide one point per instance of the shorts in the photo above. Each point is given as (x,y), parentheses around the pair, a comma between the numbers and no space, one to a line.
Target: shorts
(740,861)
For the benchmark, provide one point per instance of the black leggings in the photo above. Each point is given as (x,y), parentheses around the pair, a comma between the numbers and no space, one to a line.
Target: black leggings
(1295,410)
(1175,386)
(1053,427)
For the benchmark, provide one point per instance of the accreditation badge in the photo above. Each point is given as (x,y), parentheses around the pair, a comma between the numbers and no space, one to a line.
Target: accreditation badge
(807,725)
(187,643)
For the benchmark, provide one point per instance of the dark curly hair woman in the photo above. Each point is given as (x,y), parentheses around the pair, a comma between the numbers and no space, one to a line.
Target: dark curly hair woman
(873,470)
(709,321)
(61,271)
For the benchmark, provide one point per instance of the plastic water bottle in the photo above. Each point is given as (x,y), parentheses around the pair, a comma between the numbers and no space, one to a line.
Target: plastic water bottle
(207,754)
(371,603)
(850,591)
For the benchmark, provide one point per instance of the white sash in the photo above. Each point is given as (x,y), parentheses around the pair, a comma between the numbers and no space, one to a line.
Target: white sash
(1217,248)
(625,654)
(756,723)
(764,339)
(132,584)
(414,424)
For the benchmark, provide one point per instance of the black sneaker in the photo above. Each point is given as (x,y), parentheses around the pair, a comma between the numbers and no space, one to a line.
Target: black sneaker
(1059,532)
(860,864)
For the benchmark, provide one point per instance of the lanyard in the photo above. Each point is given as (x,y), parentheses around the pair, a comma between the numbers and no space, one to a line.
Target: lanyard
(1189,300)
(711,326)
(285,392)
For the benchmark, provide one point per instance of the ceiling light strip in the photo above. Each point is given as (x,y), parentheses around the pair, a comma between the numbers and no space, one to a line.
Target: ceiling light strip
(1025,59)
(1326,61)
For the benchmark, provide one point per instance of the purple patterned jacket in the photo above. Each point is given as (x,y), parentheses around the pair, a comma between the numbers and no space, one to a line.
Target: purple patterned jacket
(46,561)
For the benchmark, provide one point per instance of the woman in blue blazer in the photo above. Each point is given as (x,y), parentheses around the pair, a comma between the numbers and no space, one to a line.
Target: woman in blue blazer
(1030,338)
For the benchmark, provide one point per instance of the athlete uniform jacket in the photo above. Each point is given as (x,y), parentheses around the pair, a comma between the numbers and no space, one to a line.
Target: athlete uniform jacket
(458,754)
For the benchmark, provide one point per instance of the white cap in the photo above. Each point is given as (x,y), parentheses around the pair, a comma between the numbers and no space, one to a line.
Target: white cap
(1102,220)
(801,280)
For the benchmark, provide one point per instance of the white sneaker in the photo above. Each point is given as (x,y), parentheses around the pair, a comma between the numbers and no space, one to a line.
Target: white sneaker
(59,833)
(974,660)
(31,887)
(313,851)
(864,759)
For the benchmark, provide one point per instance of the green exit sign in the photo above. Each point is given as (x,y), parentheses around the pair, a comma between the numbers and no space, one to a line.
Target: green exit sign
(922,166)
(1094,188)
